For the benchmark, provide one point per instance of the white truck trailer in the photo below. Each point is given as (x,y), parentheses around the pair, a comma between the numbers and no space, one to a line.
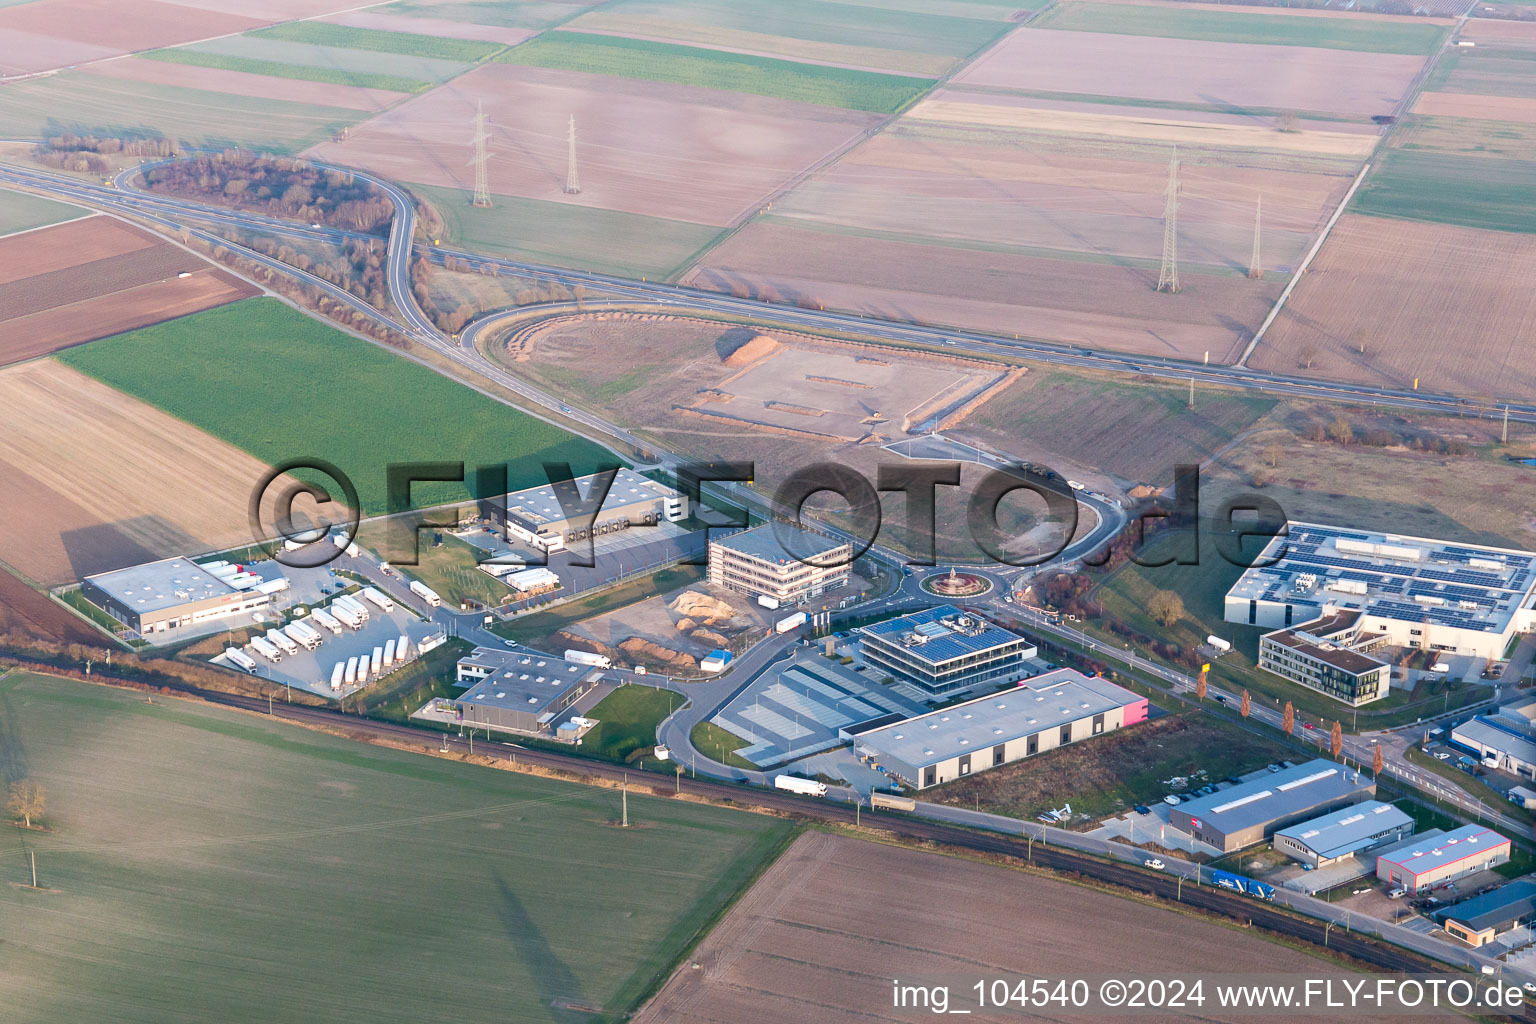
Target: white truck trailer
(325,620)
(338,675)
(351,673)
(426,593)
(805,787)
(351,602)
(378,599)
(767,601)
(402,648)
(348,614)
(377,661)
(588,658)
(266,649)
(239,659)
(789,622)
(280,639)
(389,653)
(301,634)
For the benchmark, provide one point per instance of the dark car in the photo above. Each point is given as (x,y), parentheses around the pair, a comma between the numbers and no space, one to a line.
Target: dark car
(1220,699)
(1143,809)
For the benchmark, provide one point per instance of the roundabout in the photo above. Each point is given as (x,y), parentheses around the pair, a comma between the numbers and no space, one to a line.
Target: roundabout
(956,584)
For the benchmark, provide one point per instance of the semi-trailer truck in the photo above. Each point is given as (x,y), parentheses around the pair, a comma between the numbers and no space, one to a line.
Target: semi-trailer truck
(239,659)
(351,673)
(401,647)
(806,787)
(280,639)
(266,649)
(378,599)
(376,662)
(338,675)
(426,593)
(588,658)
(789,622)
(351,601)
(325,620)
(894,803)
(389,653)
(302,635)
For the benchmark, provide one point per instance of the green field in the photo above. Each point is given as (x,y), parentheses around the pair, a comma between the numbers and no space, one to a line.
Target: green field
(567,235)
(711,740)
(92,105)
(1473,191)
(628,718)
(278,69)
(407,44)
(1223,26)
(1485,72)
(22,212)
(453,571)
(282,386)
(717,69)
(524,14)
(207,865)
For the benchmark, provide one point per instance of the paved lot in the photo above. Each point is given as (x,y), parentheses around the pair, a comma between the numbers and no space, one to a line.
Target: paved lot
(1141,829)
(311,670)
(617,554)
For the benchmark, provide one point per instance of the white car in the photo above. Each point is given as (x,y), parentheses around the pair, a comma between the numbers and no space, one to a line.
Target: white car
(1153,863)
(1171,800)
(1441,755)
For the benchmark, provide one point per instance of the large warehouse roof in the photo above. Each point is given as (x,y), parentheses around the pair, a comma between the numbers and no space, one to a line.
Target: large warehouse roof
(1488,733)
(1401,578)
(938,635)
(521,681)
(1346,830)
(1436,851)
(1045,702)
(540,505)
(156,586)
(1503,906)
(1277,795)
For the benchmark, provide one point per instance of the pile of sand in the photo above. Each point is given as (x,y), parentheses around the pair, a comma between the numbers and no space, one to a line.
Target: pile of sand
(701,609)
(759,347)
(709,636)
(637,647)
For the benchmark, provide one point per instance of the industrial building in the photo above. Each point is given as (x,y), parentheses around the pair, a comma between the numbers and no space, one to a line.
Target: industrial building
(1330,655)
(1481,919)
(1507,736)
(1437,857)
(520,691)
(1344,833)
(1040,714)
(535,516)
(783,563)
(168,595)
(1250,812)
(1425,594)
(944,650)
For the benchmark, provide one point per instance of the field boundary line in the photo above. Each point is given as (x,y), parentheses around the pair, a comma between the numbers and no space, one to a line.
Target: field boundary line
(1301,268)
(87,215)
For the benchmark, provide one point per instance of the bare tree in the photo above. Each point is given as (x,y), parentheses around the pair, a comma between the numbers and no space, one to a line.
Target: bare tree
(1246,705)
(1336,739)
(1288,122)
(27,801)
(1377,760)
(1166,608)
(1341,430)
(1288,719)
(1273,453)
(1200,685)
(1307,355)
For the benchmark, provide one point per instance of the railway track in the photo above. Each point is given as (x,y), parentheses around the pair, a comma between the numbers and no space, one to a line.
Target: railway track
(1208,898)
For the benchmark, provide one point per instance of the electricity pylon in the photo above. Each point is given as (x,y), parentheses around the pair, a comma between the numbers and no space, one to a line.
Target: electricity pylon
(1168,276)
(481,158)
(572,182)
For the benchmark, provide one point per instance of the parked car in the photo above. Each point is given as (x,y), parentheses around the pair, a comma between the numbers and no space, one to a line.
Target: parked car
(1274,767)
(1395,893)
(1441,755)
(1153,863)
(1143,809)
(1306,867)
(1171,800)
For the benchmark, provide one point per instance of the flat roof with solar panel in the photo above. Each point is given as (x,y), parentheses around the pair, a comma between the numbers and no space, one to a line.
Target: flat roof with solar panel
(937,635)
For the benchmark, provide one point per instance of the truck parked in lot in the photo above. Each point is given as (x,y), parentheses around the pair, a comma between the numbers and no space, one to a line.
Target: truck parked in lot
(402,645)
(767,602)
(805,787)
(426,593)
(377,661)
(349,611)
(301,634)
(278,638)
(894,803)
(378,599)
(325,620)
(338,675)
(266,649)
(789,622)
(239,659)
(351,674)
(588,658)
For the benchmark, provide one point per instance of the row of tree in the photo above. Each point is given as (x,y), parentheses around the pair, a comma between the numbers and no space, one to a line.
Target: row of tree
(277,185)
(97,155)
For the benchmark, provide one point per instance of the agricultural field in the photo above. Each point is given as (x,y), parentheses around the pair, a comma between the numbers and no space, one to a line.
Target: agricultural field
(96,480)
(1428,186)
(52,34)
(816,937)
(249,841)
(1384,297)
(318,57)
(1224,25)
(816,84)
(544,231)
(282,386)
(20,211)
(392,18)
(919,39)
(302,72)
(91,101)
(641,146)
(87,278)
(480,15)
(210,73)
(1134,431)
(402,44)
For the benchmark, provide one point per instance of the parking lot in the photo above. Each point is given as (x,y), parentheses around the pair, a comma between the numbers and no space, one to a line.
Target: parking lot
(616,554)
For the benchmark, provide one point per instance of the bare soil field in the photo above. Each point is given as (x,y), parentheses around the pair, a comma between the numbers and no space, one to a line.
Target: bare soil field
(1448,305)
(1042,191)
(821,935)
(1097,304)
(97,480)
(1492,108)
(674,151)
(241,83)
(386,22)
(88,279)
(1499,30)
(82,30)
(1299,78)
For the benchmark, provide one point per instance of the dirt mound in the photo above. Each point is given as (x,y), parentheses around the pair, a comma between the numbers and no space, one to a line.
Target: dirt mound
(757,347)
(709,636)
(685,624)
(701,608)
(571,641)
(638,648)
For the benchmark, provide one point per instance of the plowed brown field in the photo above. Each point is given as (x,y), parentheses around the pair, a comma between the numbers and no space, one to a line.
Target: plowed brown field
(90,278)
(826,929)
(1451,306)
(95,480)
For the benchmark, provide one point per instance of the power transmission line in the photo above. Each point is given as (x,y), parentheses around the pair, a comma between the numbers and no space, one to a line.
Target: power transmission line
(481,158)
(572,182)
(1168,275)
